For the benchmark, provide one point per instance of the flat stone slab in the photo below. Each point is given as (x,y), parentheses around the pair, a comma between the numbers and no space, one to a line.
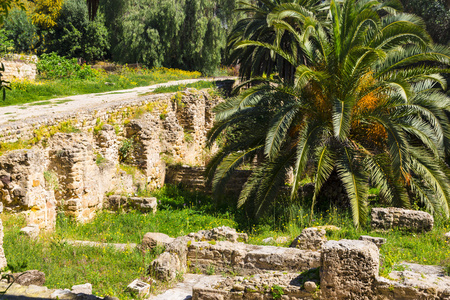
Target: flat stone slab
(183,290)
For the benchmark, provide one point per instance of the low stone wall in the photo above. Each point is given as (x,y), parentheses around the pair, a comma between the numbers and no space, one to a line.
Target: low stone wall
(194,178)
(19,67)
(73,171)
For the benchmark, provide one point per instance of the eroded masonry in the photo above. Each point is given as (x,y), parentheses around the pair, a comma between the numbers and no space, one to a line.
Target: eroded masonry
(79,158)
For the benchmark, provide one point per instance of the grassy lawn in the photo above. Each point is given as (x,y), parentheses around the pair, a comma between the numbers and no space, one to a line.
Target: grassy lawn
(181,212)
(27,91)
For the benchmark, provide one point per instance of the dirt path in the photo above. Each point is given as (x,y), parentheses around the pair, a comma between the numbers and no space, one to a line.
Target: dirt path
(71,104)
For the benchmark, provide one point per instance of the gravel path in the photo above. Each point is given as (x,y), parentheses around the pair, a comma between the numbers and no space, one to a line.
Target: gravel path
(70,104)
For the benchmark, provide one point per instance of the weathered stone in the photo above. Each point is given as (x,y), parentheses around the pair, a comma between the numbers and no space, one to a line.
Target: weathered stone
(166,267)
(310,286)
(223,233)
(31,230)
(143,204)
(153,239)
(82,289)
(27,278)
(249,259)
(310,239)
(139,288)
(348,269)
(376,240)
(3,262)
(393,217)
(447,236)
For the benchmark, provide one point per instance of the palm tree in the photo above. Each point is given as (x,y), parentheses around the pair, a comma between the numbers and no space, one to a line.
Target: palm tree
(257,26)
(367,104)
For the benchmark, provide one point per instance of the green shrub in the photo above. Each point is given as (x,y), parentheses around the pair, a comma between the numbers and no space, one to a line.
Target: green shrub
(52,66)
(19,29)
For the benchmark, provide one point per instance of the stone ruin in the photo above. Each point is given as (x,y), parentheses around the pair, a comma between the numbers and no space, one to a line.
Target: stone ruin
(64,173)
(345,269)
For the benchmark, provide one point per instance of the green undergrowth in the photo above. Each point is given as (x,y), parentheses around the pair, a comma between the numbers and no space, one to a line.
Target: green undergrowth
(43,89)
(181,87)
(108,270)
(179,213)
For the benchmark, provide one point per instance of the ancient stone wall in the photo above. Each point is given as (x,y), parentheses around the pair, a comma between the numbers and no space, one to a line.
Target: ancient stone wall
(19,67)
(117,150)
(194,178)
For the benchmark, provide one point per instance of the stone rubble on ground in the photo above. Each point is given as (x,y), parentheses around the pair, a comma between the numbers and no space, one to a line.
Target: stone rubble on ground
(376,240)
(139,288)
(223,233)
(310,239)
(31,230)
(399,218)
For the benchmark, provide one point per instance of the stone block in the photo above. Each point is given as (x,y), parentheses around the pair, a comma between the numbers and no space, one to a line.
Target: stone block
(139,288)
(153,239)
(405,219)
(310,239)
(348,269)
(223,233)
(31,230)
(376,240)
(166,267)
(82,289)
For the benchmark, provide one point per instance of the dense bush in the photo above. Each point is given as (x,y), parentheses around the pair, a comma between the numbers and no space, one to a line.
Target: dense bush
(19,28)
(52,66)
(75,36)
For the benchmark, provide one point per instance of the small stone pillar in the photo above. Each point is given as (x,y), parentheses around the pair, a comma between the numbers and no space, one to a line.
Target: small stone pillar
(349,269)
(2,253)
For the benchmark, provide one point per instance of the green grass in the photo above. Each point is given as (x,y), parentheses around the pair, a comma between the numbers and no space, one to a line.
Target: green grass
(26,91)
(108,270)
(181,87)
(179,213)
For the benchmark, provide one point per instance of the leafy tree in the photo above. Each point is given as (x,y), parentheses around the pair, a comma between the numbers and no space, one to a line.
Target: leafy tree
(6,6)
(20,29)
(188,34)
(366,104)
(45,12)
(74,35)
(436,14)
